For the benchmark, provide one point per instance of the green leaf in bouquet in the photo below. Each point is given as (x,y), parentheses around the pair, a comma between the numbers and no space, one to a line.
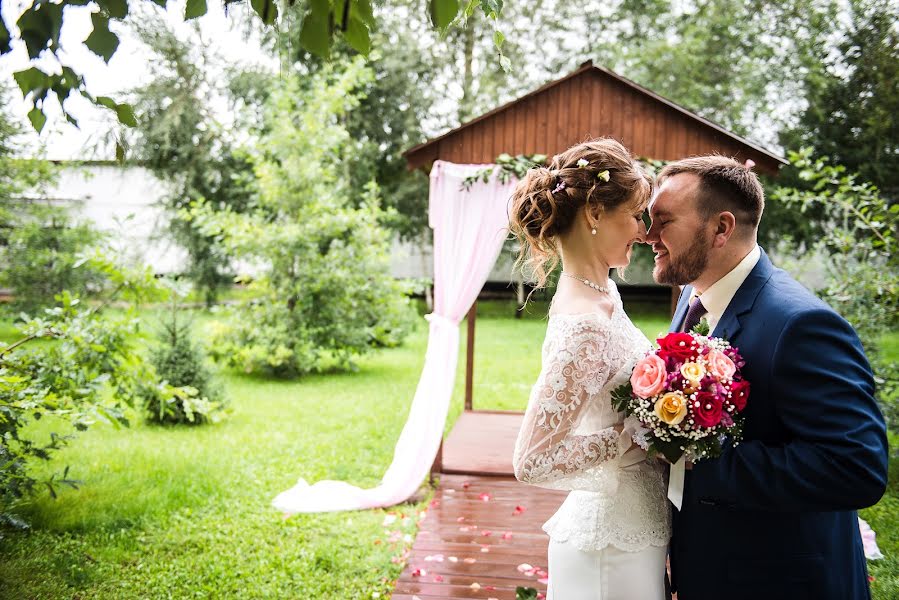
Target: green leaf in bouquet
(702,328)
(670,450)
(525,593)
(621,396)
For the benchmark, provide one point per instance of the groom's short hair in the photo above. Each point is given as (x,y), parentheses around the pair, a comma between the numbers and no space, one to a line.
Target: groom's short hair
(724,185)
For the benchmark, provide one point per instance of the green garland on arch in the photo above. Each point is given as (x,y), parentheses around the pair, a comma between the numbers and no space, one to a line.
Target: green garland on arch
(516,166)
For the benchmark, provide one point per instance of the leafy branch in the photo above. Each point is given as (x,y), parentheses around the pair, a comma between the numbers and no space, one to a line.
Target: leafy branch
(324,21)
(508,167)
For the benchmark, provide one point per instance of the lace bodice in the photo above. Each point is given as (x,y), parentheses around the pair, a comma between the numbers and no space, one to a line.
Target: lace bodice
(573,439)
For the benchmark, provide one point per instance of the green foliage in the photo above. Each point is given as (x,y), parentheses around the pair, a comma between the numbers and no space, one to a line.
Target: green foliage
(526,593)
(183,511)
(862,257)
(323,288)
(188,392)
(394,106)
(179,139)
(41,255)
(731,62)
(388,122)
(323,22)
(90,372)
(17,175)
(509,167)
(40,244)
(853,98)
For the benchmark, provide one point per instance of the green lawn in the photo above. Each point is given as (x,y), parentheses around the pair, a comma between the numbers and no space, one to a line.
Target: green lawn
(883,516)
(178,512)
(181,513)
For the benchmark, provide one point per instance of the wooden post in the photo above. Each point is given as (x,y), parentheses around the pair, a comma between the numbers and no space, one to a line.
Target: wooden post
(469,355)
(437,465)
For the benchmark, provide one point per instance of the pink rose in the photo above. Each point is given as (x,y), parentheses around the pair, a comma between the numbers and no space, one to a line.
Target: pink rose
(648,378)
(720,365)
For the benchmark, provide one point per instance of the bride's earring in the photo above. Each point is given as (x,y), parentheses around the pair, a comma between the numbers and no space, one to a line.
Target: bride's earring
(593,231)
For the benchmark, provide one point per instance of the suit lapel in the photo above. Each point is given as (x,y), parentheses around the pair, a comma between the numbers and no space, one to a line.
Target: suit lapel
(731,324)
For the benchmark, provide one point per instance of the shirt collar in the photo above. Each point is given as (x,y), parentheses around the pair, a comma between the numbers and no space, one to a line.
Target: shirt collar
(718,296)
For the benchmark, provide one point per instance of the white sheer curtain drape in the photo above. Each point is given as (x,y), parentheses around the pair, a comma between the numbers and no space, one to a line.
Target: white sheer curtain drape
(469,229)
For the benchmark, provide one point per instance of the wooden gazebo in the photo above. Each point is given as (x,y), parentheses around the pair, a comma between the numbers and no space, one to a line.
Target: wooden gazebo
(477,499)
(590,102)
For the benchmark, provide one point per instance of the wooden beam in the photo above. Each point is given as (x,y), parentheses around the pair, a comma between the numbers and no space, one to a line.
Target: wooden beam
(437,465)
(469,355)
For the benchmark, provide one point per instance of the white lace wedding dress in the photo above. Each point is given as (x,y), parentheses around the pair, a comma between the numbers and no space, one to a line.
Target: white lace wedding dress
(610,536)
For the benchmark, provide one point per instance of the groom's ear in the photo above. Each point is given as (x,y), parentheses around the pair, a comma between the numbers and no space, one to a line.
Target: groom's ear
(724,228)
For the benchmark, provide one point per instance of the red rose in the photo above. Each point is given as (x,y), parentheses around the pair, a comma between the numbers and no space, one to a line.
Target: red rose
(708,413)
(677,345)
(739,394)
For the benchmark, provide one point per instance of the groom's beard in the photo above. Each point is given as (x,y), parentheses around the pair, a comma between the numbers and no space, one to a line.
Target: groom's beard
(687,267)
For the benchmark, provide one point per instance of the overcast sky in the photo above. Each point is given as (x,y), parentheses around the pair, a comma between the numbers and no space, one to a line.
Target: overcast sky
(126,70)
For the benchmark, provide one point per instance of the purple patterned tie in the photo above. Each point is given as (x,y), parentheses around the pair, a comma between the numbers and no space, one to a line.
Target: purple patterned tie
(694,314)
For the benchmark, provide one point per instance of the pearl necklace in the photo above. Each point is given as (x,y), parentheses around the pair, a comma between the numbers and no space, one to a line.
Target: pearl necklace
(587,282)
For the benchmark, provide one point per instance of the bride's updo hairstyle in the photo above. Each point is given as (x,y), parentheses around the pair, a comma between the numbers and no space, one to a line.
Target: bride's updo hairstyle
(599,174)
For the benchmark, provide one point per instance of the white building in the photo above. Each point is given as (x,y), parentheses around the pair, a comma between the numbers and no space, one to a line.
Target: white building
(124,202)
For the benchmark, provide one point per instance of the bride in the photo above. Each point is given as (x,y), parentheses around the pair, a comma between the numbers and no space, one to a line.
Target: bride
(608,541)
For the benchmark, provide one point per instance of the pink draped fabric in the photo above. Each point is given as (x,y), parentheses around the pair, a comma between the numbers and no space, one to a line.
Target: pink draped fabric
(872,552)
(469,229)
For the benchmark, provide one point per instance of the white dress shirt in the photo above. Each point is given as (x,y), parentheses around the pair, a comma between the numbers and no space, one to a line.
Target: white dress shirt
(718,296)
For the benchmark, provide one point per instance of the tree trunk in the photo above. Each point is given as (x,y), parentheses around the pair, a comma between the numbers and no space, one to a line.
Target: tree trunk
(467,102)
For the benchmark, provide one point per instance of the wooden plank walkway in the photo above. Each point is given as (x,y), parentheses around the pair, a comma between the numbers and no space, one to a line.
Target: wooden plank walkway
(482,443)
(477,533)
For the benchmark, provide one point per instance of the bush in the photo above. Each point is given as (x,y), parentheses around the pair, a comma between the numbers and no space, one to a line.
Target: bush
(42,256)
(861,253)
(188,392)
(91,371)
(323,293)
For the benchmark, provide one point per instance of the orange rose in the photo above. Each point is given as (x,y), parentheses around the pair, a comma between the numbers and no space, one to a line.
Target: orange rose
(671,408)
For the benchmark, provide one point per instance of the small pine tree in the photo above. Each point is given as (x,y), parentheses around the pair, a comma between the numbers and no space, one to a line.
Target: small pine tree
(181,363)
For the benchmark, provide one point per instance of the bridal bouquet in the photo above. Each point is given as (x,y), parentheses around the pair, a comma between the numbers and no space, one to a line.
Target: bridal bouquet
(687,397)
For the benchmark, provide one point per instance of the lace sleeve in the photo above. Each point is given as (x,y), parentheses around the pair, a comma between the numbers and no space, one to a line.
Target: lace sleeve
(548,452)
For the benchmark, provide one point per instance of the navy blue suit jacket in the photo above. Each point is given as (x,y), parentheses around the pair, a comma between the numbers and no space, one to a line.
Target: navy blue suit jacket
(775,517)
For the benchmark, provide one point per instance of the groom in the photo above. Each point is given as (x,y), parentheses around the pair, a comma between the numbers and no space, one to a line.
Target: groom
(773,517)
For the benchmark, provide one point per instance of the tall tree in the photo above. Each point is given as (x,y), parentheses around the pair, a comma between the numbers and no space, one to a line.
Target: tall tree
(41,244)
(323,292)
(18,175)
(852,112)
(417,92)
(180,140)
(732,62)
